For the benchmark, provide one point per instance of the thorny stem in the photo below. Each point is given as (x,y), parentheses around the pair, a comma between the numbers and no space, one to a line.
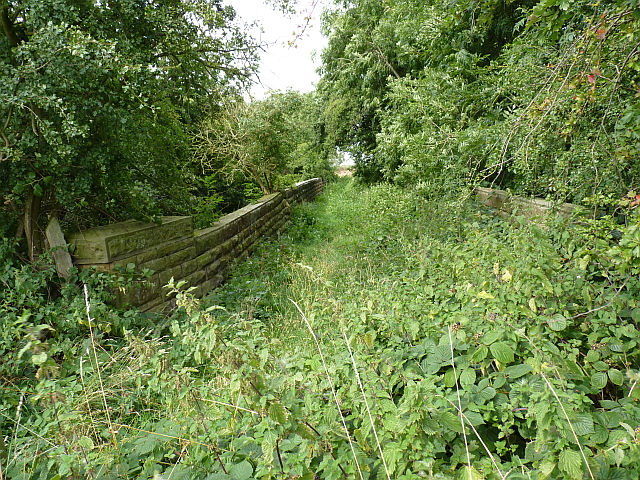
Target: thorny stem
(213,445)
(279,457)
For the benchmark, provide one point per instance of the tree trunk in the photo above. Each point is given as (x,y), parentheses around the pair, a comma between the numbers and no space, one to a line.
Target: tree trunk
(263,187)
(31,231)
(7,25)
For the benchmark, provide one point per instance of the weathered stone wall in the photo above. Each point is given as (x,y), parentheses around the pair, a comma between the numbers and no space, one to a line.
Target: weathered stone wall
(535,209)
(175,249)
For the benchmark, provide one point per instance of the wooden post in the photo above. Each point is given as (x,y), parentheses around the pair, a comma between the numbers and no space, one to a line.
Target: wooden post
(58,246)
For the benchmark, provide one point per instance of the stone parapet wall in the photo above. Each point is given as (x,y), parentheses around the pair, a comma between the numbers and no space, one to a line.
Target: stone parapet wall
(535,209)
(174,249)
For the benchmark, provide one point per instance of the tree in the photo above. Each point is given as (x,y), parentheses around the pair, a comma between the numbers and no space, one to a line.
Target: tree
(539,97)
(264,140)
(97,98)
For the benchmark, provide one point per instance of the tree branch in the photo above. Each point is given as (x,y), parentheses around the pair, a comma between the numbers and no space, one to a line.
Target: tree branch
(7,25)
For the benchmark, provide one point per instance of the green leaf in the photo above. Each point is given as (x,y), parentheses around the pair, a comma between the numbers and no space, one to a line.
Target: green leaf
(616,376)
(629,430)
(557,322)
(487,393)
(501,352)
(369,338)
(570,462)
(86,443)
(593,356)
(583,424)
(546,468)
(451,421)
(392,453)
(547,284)
(449,378)
(241,471)
(467,377)
(305,432)
(532,305)
(506,276)
(599,380)
(616,347)
(39,358)
(278,413)
(146,444)
(480,354)
(491,336)
(517,371)
(474,418)
(601,366)
(465,473)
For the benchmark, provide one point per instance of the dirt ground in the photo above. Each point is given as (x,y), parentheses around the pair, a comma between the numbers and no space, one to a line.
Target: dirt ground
(344,171)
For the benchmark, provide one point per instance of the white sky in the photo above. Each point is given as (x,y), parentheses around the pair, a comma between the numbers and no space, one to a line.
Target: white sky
(282,66)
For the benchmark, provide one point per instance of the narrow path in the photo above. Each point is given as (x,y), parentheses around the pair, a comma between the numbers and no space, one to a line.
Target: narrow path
(444,307)
(417,310)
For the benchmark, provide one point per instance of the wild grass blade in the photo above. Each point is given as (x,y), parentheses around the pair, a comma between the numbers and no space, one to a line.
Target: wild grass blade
(95,356)
(464,432)
(333,391)
(366,403)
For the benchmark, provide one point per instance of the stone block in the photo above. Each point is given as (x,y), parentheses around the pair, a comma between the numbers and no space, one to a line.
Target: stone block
(224,229)
(208,285)
(531,208)
(170,261)
(190,266)
(166,275)
(121,240)
(269,202)
(141,293)
(152,304)
(194,279)
(100,267)
(164,249)
(215,268)
(206,258)
(163,307)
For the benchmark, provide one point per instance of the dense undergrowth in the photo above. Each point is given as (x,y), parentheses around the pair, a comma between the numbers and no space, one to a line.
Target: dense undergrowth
(442,308)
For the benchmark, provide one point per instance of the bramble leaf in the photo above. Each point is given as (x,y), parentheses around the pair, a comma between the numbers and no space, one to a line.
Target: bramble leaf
(502,352)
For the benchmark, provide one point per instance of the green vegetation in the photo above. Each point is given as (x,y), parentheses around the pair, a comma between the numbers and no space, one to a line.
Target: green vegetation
(536,344)
(100,102)
(396,330)
(539,97)
(268,141)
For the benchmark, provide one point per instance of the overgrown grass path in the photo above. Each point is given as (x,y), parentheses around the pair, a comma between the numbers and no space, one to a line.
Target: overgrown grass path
(442,343)
(337,260)
(446,308)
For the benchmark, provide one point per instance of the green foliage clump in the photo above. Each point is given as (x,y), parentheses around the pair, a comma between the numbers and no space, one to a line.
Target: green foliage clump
(537,337)
(538,97)
(97,102)
(483,347)
(272,143)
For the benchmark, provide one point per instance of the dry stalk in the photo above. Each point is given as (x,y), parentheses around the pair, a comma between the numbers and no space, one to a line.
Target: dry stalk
(333,391)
